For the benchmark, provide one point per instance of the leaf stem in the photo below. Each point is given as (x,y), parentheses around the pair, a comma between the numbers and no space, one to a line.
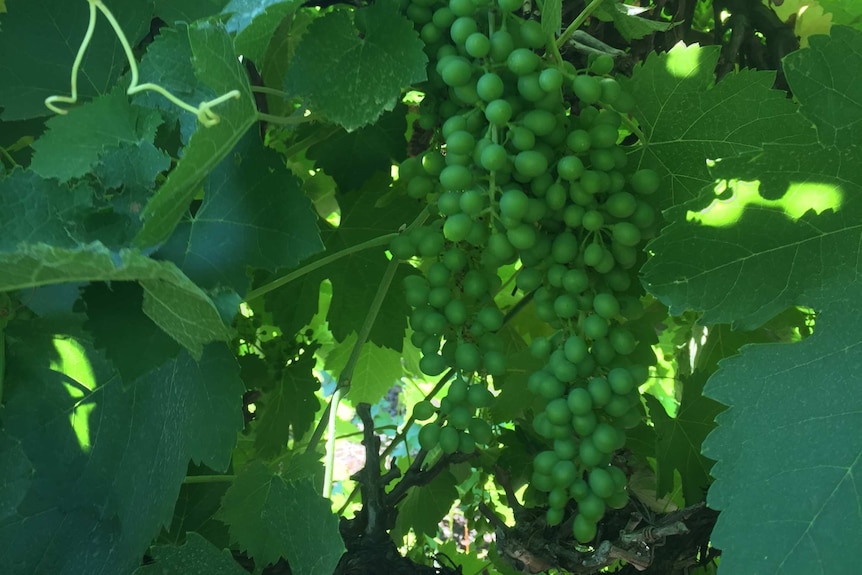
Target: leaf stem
(307,269)
(190,479)
(582,17)
(310,140)
(270,91)
(284,120)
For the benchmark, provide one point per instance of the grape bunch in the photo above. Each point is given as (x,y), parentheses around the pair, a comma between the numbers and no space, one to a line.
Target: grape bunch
(528,170)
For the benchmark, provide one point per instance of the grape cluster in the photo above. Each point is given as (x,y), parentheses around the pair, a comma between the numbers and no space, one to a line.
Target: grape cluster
(528,170)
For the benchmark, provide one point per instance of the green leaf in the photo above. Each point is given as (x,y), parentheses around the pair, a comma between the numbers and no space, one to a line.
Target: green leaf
(788,449)
(353,157)
(287,405)
(424,506)
(688,119)
(254,24)
(74,143)
(628,23)
(172,11)
(16,474)
(338,55)
(108,458)
(196,557)
(254,214)
(270,517)
(355,279)
(844,12)
(38,45)
(195,510)
(829,97)
(171,300)
(131,166)
(376,371)
(552,18)
(217,66)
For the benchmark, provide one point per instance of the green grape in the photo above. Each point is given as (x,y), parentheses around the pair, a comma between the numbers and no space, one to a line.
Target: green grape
(617,406)
(626,234)
(645,182)
(453,124)
(566,306)
(591,183)
(578,141)
(530,164)
(460,417)
(457,227)
(494,157)
(541,482)
(540,122)
(419,188)
(430,34)
(585,424)
(570,168)
(499,250)
(418,14)
(587,89)
(522,61)
(529,88)
(621,205)
(462,7)
(588,453)
(579,401)
(432,365)
(592,506)
(466,443)
(575,349)
(583,529)
(579,490)
(439,297)
(467,357)
(556,196)
(595,327)
(551,79)
(423,410)
(602,159)
(563,369)
(489,87)
(544,462)
(434,324)
(522,138)
(602,65)
(603,136)
(644,215)
(608,438)
(449,203)
(502,45)
(449,440)
(478,396)
(550,387)
(495,363)
(481,431)
(456,72)
(472,202)
(477,45)
(429,436)
(622,340)
(564,473)
(564,248)
(513,204)
(532,34)
(458,391)
(540,347)
(475,284)
(491,318)
(528,279)
(402,248)
(454,259)
(456,178)
(603,352)
(558,412)
(460,142)
(566,448)
(510,5)
(456,312)
(619,478)
(443,17)
(575,281)
(498,112)
(543,427)
(601,483)
(593,220)
(611,90)
(621,381)
(618,500)
(606,305)
(557,500)
(630,419)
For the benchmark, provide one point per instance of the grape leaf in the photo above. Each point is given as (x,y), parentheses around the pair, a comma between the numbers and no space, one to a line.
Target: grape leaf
(826,93)
(424,506)
(789,449)
(196,557)
(353,157)
(74,143)
(215,65)
(847,12)
(39,43)
(355,279)
(16,474)
(627,21)
(270,517)
(187,10)
(335,59)
(130,339)
(132,166)
(376,371)
(254,23)
(108,458)
(195,510)
(552,18)
(288,403)
(688,119)
(253,214)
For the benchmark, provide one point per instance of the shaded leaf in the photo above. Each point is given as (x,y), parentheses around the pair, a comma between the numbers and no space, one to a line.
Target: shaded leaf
(196,557)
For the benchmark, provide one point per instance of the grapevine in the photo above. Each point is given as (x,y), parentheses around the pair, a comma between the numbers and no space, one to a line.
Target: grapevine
(528,170)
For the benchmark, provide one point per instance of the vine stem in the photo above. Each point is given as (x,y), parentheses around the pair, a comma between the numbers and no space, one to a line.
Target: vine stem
(310,140)
(347,374)
(577,22)
(632,127)
(307,269)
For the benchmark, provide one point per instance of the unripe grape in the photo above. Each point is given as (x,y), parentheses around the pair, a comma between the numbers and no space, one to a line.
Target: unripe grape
(602,65)
(587,89)
(456,72)
(449,440)
(477,45)
(522,61)
(429,436)
(489,87)
(551,79)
